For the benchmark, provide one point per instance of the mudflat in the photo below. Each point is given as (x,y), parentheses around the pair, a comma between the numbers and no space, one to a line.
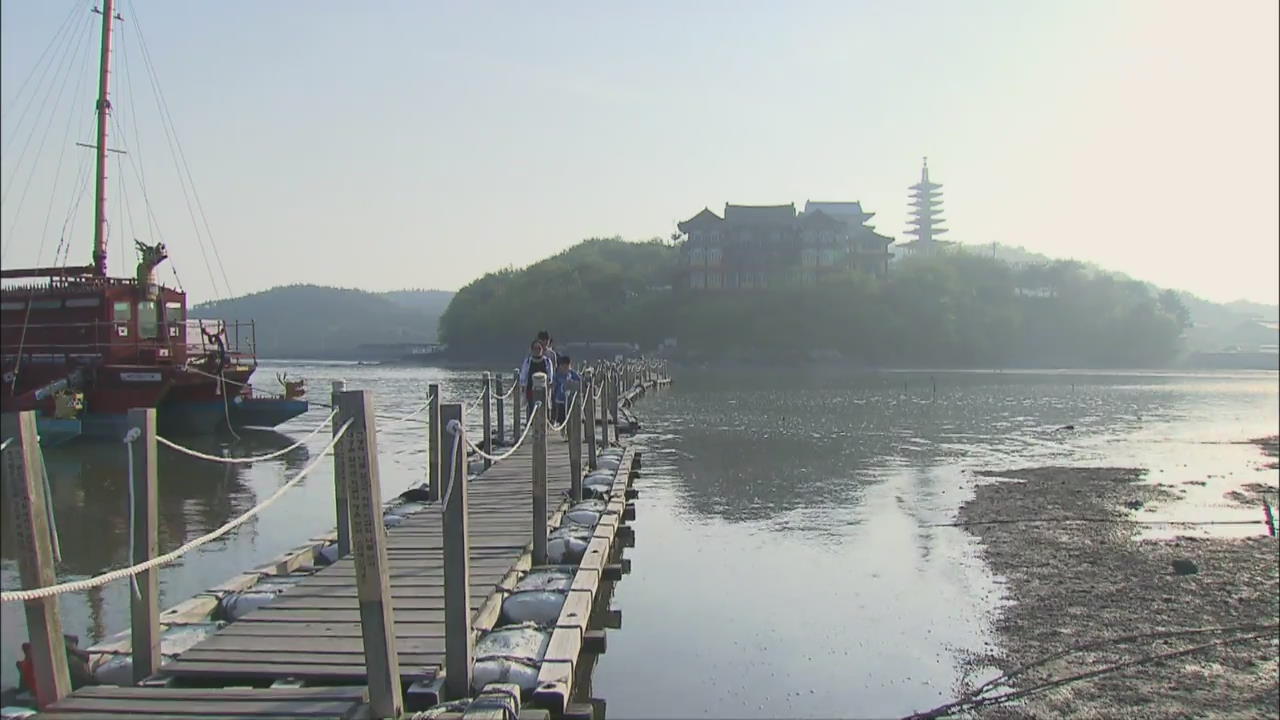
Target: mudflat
(1102,624)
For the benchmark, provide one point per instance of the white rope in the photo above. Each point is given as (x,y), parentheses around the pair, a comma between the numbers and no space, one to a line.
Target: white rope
(5,445)
(510,390)
(237,460)
(411,415)
(568,412)
(81,585)
(455,428)
(499,458)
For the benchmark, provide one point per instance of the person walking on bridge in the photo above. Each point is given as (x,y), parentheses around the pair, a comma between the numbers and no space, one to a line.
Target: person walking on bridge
(537,362)
(544,337)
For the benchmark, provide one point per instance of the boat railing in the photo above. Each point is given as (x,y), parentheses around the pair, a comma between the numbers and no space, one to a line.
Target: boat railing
(237,338)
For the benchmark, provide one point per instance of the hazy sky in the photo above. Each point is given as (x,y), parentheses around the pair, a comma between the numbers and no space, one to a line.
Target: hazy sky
(413,144)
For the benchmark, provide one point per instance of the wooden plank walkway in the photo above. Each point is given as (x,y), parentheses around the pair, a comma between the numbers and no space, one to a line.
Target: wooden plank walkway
(312,632)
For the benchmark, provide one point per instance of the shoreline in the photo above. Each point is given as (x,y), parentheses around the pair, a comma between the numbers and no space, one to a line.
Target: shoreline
(1185,627)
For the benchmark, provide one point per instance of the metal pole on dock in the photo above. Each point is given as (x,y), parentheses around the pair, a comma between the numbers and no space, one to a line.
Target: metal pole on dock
(29,516)
(356,460)
(574,421)
(540,470)
(486,417)
(459,645)
(433,442)
(589,418)
(502,428)
(144,603)
(516,422)
(339,487)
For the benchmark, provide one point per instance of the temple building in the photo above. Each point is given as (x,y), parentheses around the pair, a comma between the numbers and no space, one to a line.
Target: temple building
(755,246)
(926,217)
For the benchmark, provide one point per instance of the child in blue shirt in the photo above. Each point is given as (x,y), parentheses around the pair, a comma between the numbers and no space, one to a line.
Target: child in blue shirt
(560,388)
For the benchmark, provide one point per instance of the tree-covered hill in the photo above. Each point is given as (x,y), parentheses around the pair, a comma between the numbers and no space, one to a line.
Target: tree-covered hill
(325,322)
(959,309)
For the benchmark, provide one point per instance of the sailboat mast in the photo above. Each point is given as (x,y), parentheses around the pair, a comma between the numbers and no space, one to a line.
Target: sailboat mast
(104,110)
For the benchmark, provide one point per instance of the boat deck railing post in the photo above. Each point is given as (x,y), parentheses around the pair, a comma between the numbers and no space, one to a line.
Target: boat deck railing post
(540,469)
(144,602)
(356,458)
(459,644)
(28,512)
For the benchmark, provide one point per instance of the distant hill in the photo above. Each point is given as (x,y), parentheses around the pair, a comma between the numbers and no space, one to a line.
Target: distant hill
(1239,325)
(329,323)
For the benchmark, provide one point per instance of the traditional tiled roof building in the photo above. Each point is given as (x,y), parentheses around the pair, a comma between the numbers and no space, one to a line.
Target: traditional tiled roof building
(755,246)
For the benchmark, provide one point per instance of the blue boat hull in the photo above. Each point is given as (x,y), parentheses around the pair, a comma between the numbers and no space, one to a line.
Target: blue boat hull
(188,418)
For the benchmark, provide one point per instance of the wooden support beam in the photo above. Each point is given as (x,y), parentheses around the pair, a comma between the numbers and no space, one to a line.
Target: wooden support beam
(486,418)
(459,644)
(502,427)
(343,523)
(517,417)
(29,517)
(433,442)
(356,457)
(144,601)
(574,400)
(540,470)
(589,420)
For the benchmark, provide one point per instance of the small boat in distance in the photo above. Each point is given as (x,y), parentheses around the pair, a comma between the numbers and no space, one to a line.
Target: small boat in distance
(82,347)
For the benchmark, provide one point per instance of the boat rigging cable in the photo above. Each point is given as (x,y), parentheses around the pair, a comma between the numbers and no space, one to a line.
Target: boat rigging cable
(167,558)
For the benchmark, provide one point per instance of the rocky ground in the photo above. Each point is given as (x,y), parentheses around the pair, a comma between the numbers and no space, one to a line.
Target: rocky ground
(1157,629)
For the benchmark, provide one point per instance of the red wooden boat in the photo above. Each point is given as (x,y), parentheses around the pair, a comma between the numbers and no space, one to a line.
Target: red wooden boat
(82,347)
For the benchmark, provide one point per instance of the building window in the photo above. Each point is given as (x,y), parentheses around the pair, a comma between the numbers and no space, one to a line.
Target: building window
(748,280)
(827,258)
(762,280)
(714,256)
(696,257)
(697,280)
(808,258)
(122,312)
(148,319)
(713,280)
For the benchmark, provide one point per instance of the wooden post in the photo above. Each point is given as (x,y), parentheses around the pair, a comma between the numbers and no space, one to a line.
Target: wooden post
(613,405)
(339,480)
(486,416)
(517,417)
(589,419)
(144,605)
(574,421)
(459,645)
(29,516)
(356,460)
(604,408)
(433,442)
(540,470)
(502,428)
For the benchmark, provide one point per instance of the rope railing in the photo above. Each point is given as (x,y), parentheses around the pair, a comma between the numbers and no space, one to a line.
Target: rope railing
(5,445)
(167,558)
(512,450)
(238,460)
(568,413)
(412,415)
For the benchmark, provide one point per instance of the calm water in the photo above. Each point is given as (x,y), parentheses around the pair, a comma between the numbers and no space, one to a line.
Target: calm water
(783,565)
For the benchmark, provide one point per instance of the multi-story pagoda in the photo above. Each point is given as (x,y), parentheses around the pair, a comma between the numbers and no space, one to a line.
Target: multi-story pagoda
(926,216)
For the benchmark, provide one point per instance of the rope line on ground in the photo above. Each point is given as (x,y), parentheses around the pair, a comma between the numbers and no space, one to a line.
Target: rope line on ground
(103,579)
(237,460)
(499,458)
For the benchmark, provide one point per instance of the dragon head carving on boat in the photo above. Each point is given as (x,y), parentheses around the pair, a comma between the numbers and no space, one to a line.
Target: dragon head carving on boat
(149,257)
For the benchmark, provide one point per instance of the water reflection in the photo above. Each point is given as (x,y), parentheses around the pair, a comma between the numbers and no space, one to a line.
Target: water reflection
(787,563)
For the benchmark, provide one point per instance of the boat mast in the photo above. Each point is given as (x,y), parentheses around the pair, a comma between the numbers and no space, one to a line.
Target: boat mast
(104,108)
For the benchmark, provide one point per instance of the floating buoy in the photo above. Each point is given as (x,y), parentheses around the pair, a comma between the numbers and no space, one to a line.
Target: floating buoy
(236,605)
(510,654)
(586,513)
(538,597)
(567,544)
(391,520)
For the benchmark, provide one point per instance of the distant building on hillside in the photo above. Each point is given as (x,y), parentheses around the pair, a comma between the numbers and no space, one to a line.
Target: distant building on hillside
(926,217)
(754,246)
